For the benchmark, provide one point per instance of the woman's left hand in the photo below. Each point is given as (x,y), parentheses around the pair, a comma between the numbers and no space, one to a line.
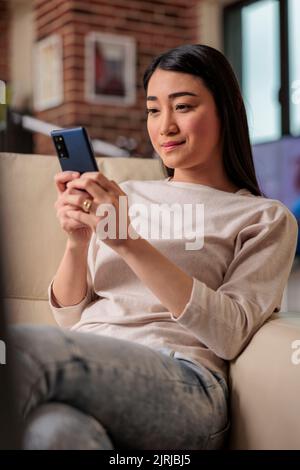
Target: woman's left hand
(101,191)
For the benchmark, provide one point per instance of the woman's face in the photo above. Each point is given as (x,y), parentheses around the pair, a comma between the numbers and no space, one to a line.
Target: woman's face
(183,122)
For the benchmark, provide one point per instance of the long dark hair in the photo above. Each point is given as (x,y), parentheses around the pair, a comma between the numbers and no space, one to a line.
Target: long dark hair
(213,68)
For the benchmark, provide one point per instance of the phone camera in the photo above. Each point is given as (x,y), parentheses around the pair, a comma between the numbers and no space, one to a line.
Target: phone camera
(60,147)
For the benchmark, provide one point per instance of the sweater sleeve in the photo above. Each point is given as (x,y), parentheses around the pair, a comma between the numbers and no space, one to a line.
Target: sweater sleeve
(67,316)
(226,319)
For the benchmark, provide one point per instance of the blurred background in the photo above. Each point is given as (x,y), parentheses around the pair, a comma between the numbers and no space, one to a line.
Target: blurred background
(66,63)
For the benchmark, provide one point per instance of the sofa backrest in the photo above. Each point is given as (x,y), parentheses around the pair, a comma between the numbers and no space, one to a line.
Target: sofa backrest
(33,240)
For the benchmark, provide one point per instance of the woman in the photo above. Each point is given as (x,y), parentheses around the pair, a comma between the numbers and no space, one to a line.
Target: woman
(148,325)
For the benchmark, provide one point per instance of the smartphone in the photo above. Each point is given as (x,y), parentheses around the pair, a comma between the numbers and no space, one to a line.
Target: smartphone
(74,150)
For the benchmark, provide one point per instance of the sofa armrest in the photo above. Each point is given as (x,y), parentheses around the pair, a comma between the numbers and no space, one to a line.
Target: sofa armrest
(265,388)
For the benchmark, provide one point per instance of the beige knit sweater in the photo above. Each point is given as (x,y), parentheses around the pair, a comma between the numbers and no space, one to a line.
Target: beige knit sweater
(239,275)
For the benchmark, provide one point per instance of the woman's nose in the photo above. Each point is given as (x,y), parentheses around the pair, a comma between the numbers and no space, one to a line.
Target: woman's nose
(168,126)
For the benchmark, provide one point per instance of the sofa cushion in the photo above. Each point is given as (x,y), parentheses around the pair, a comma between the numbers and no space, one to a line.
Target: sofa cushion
(265,385)
(28,311)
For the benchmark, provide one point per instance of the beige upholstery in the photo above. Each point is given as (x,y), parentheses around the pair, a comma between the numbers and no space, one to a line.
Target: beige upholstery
(265,388)
(265,384)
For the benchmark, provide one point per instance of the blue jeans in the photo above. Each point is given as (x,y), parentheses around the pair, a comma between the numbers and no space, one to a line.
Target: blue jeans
(86,391)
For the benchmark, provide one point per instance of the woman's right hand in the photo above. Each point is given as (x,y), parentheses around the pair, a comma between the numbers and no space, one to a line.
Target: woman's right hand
(78,233)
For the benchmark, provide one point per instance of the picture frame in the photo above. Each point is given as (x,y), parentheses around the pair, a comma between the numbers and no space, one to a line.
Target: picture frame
(3,109)
(110,69)
(2,92)
(48,72)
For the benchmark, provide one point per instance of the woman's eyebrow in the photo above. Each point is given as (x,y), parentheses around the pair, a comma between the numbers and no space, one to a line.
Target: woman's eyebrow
(173,95)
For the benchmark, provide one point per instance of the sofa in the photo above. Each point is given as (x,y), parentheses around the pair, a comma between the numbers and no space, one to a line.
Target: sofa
(264,380)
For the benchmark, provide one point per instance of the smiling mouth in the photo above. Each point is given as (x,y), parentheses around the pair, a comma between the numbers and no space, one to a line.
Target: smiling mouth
(173,146)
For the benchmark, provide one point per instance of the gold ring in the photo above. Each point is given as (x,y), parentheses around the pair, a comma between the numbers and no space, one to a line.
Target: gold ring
(87,205)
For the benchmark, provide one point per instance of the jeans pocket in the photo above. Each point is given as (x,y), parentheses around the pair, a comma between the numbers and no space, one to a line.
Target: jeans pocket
(217,440)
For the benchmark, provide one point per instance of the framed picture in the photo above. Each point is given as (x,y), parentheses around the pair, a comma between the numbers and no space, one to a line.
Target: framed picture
(2,106)
(2,92)
(110,69)
(48,73)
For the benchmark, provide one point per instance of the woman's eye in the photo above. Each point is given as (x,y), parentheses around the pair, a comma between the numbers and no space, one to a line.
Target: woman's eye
(183,107)
(151,111)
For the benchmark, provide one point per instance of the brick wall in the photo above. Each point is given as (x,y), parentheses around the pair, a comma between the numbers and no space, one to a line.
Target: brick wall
(4,41)
(156,26)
